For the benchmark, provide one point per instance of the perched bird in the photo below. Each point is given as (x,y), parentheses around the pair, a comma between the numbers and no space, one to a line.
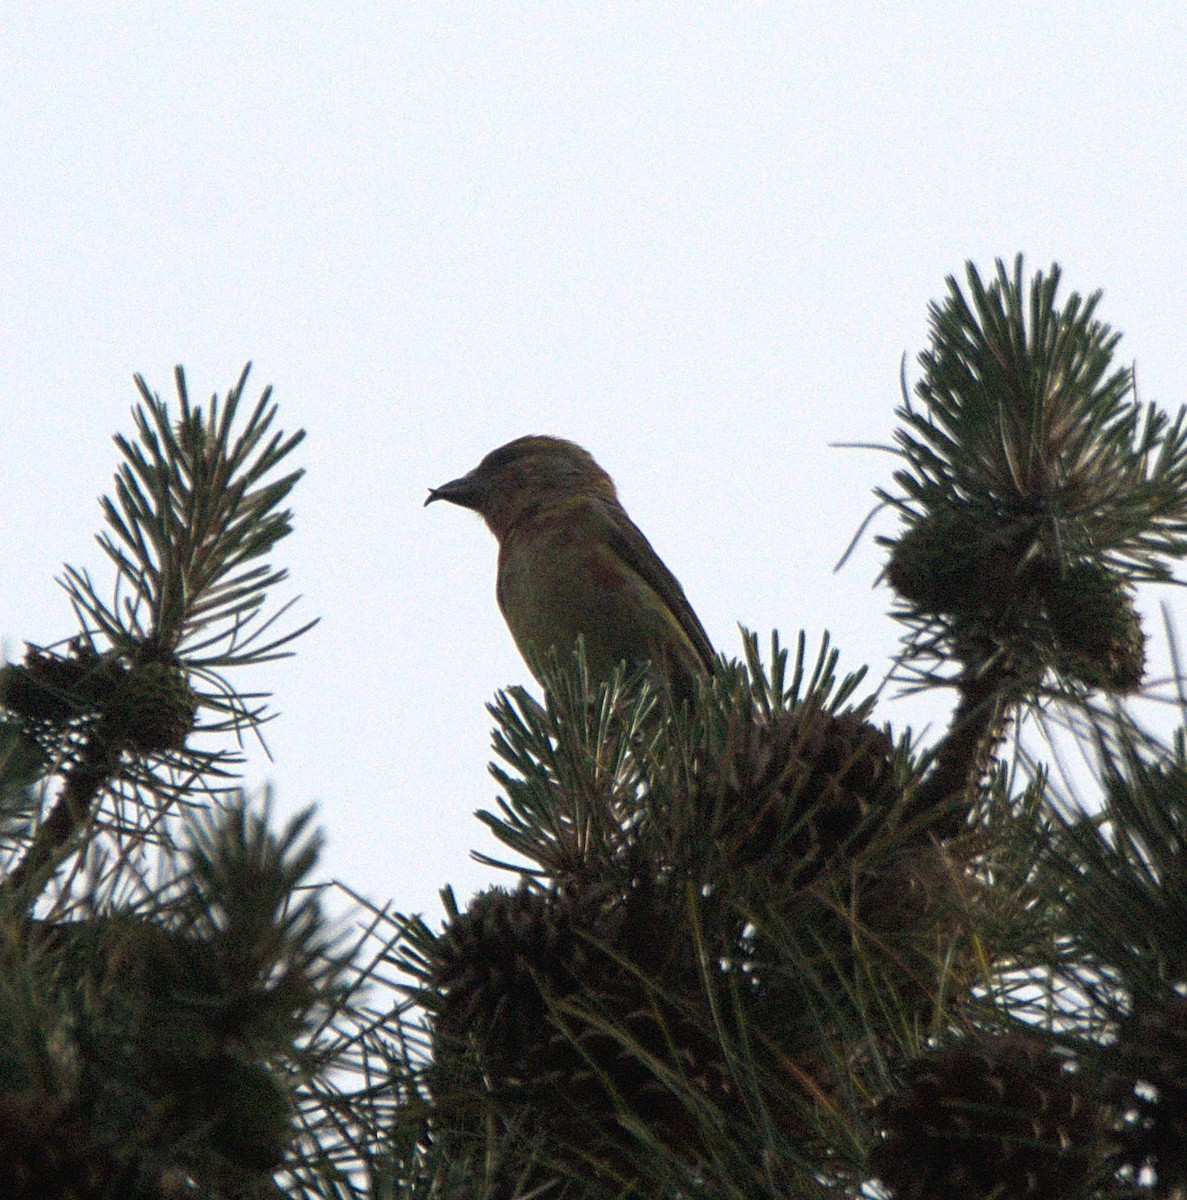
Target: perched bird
(572,562)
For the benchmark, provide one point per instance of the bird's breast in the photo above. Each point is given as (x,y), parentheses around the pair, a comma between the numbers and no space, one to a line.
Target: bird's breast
(559,579)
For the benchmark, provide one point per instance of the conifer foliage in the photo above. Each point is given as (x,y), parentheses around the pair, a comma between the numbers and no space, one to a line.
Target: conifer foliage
(165,970)
(749,943)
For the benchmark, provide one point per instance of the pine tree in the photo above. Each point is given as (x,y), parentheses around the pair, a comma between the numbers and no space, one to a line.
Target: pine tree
(170,982)
(753,943)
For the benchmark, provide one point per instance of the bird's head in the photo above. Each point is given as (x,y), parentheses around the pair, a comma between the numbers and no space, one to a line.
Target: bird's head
(523,475)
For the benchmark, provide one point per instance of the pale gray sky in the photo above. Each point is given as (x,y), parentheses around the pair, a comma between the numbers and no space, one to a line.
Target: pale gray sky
(696,238)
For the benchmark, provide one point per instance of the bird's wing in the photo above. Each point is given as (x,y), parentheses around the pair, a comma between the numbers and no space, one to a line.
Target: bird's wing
(627,540)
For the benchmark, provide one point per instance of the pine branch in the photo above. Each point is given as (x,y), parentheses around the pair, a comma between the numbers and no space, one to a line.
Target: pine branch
(195,508)
(192,512)
(174,1034)
(81,785)
(725,909)
(963,758)
(1035,492)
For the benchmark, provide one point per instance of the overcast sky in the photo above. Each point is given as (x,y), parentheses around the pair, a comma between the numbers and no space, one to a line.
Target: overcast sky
(695,238)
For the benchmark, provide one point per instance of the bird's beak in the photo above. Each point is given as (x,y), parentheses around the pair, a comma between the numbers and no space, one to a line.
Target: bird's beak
(469,491)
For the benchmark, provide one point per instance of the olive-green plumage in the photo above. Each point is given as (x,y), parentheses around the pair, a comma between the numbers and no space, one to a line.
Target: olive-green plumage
(571,562)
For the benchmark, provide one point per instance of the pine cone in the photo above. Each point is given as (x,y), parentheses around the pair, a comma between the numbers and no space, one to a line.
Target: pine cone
(1097,631)
(540,1019)
(953,562)
(987,1117)
(497,966)
(152,709)
(793,791)
(1152,1055)
(55,688)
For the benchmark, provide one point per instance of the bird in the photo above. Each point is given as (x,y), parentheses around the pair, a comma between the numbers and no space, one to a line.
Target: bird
(573,564)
